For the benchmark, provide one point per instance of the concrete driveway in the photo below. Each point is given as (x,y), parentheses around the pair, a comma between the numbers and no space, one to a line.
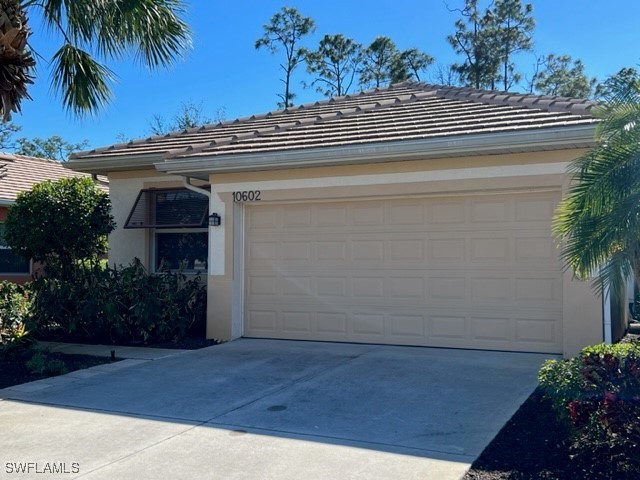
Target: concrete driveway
(263,409)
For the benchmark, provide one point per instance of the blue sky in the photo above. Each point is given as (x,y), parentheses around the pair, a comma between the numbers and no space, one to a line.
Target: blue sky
(223,69)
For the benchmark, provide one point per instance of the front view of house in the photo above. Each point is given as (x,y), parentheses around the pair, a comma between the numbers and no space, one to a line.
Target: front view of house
(410,215)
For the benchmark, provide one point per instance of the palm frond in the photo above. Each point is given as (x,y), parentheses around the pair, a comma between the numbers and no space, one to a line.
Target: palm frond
(150,29)
(599,219)
(83,81)
(94,31)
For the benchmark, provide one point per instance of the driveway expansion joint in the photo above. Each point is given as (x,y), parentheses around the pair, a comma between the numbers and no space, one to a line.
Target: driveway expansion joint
(341,440)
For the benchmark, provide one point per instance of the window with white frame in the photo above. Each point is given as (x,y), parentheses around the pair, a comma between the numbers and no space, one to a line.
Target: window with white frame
(10,262)
(177,220)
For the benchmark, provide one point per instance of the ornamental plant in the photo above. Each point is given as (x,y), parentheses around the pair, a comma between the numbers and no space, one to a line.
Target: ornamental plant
(15,308)
(119,305)
(61,223)
(598,395)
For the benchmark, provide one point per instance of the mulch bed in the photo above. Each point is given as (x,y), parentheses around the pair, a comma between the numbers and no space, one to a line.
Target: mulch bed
(192,342)
(187,343)
(13,370)
(534,445)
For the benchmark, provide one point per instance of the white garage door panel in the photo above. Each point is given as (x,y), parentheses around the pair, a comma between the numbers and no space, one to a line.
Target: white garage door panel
(473,272)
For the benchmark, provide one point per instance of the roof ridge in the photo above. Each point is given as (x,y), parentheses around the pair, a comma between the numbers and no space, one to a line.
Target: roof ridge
(12,157)
(320,118)
(272,113)
(7,156)
(208,127)
(361,110)
(551,103)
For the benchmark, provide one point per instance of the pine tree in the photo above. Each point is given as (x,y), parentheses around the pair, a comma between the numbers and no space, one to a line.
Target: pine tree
(284,31)
(565,77)
(335,64)
(377,62)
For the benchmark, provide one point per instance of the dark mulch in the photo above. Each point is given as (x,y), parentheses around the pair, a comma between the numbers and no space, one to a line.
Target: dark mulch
(192,342)
(13,369)
(534,445)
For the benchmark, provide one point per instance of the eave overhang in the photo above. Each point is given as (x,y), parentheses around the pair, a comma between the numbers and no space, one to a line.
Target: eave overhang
(200,165)
(580,136)
(103,165)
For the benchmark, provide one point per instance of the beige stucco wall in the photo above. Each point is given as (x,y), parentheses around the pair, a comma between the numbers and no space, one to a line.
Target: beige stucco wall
(582,310)
(124,187)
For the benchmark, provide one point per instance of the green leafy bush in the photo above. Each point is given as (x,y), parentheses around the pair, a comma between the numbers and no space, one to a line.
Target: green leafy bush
(65,225)
(598,395)
(60,223)
(40,364)
(15,310)
(120,305)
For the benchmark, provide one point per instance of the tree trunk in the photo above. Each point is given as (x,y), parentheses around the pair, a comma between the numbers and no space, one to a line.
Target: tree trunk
(16,61)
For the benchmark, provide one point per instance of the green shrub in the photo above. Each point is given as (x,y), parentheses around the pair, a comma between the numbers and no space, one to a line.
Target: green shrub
(120,305)
(598,395)
(60,223)
(40,364)
(15,310)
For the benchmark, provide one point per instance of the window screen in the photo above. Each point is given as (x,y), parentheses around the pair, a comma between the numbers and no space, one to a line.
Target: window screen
(168,208)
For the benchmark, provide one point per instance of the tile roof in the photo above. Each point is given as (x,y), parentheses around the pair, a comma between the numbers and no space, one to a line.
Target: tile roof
(405,111)
(19,173)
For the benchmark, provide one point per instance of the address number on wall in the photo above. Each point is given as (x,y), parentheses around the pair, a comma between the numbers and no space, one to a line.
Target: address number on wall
(247,196)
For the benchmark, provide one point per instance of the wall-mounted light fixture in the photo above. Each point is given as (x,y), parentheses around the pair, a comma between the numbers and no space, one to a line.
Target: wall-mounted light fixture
(214,220)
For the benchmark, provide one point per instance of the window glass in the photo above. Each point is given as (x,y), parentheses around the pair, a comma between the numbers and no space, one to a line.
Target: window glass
(175,249)
(9,261)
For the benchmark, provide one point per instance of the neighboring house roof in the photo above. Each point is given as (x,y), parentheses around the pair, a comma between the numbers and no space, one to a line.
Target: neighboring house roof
(369,124)
(19,173)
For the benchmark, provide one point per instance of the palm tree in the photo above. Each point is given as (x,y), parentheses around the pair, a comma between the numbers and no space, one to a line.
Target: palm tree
(91,32)
(599,220)
(16,62)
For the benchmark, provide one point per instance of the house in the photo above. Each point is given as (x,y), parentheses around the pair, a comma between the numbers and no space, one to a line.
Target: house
(18,173)
(414,214)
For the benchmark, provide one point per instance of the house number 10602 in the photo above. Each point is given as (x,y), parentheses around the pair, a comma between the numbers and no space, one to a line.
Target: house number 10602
(247,196)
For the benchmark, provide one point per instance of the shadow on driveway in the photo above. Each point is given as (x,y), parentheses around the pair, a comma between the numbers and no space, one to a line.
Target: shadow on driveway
(274,409)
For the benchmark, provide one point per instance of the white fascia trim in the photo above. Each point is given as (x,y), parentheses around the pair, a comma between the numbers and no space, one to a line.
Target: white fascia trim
(579,136)
(102,166)
(557,168)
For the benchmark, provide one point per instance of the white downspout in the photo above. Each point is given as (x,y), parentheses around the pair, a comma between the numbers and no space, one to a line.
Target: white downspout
(193,188)
(606,305)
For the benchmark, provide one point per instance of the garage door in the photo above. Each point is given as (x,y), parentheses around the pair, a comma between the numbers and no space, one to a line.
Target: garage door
(479,271)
